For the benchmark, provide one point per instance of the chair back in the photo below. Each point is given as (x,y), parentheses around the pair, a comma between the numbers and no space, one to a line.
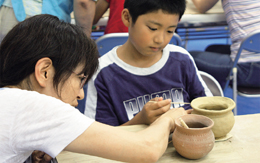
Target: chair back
(212,84)
(176,40)
(250,43)
(108,41)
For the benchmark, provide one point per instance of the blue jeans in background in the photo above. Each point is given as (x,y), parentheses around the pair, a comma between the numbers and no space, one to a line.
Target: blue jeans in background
(219,66)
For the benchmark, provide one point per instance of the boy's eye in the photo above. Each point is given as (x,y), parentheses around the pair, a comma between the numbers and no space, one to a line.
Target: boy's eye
(170,31)
(153,29)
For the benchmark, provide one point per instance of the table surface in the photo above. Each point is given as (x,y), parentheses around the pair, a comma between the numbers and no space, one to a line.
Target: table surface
(191,15)
(212,17)
(191,9)
(242,147)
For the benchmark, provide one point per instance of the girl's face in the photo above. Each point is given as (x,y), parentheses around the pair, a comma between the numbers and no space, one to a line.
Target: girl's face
(71,90)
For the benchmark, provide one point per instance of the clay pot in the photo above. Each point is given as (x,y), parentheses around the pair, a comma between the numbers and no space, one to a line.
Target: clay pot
(197,140)
(219,109)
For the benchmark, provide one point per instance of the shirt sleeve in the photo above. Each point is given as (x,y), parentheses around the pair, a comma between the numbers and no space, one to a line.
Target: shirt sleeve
(99,104)
(46,124)
(105,112)
(195,86)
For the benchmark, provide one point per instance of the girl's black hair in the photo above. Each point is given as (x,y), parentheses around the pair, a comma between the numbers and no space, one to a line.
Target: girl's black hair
(45,36)
(141,7)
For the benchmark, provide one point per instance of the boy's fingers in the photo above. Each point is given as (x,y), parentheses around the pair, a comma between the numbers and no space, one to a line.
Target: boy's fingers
(162,110)
(160,103)
(189,111)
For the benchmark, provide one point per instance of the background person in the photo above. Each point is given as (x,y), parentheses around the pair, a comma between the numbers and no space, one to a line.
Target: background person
(114,24)
(242,18)
(14,11)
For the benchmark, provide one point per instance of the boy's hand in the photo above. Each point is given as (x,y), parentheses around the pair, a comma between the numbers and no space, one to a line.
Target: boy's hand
(189,111)
(154,109)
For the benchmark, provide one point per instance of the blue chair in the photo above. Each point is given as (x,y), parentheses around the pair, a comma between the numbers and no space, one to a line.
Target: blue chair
(107,42)
(250,43)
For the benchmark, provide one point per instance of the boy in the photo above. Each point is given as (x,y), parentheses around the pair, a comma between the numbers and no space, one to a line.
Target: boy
(144,68)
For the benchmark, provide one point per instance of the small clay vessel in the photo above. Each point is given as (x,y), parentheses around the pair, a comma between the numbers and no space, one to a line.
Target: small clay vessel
(197,140)
(219,109)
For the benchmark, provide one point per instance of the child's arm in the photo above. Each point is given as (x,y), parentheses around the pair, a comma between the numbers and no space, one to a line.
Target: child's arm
(101,8)
(204,5)
(84,12)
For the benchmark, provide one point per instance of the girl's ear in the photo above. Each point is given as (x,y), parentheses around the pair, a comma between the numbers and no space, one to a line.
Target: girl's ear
(126,18)
(44,71)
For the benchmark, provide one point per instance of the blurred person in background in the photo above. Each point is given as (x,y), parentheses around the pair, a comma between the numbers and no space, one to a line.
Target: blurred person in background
(115,23)
(14,11)
(243,18)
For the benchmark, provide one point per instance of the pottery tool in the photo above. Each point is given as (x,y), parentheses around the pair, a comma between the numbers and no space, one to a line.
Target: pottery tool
(175,102)
(183,123)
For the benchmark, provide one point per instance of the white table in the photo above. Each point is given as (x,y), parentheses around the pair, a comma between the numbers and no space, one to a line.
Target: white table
(243,147)
(191,15)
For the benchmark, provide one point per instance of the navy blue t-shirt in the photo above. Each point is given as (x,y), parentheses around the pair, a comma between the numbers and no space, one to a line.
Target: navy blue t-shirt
(119,91)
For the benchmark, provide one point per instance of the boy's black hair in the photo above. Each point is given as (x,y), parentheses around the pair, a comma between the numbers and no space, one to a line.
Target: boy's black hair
(141,7)
(45,36)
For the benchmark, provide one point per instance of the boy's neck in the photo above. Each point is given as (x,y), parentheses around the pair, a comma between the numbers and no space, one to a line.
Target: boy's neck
(131,56)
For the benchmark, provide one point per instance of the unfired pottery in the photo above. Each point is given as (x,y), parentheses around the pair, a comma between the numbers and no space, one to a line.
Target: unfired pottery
(197,140)
(219,109)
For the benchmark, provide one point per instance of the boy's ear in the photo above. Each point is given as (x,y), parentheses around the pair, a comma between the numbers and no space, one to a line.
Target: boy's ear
(126,17)
(44,71)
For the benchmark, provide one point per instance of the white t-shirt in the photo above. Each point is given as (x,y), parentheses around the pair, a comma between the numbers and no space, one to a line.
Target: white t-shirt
(243,18)
(32,121)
